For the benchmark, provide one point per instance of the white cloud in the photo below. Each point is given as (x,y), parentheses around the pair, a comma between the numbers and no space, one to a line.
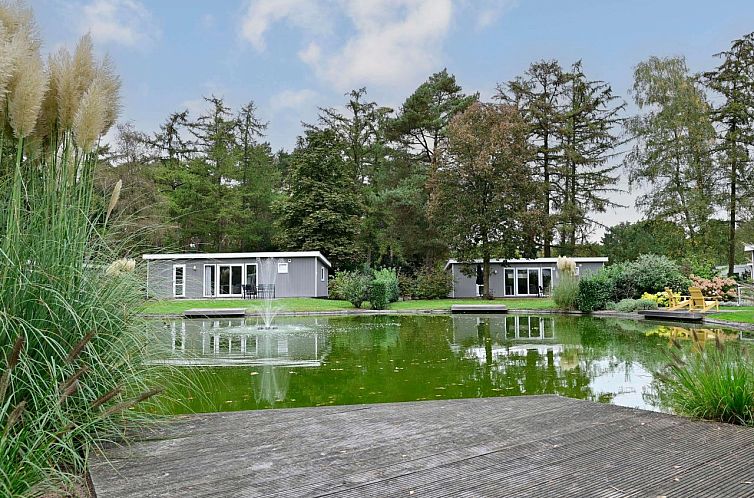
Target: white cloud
(122,22)
(310,15)
(388,43)
(395,42)
(489,11)
(292,99)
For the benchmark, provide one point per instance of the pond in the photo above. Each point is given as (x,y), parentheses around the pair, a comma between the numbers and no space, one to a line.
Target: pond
(314,361)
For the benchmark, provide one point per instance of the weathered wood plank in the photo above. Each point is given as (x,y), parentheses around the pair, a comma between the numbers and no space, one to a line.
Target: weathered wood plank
(520,446)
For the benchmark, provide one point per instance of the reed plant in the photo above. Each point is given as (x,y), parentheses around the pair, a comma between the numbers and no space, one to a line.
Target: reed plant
(71,343)
(710,381)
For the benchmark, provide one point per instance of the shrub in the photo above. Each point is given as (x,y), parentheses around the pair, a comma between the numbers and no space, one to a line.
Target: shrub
(651,273)
(378,294)
(390,278)
(433,283)
(565,292)
(629,305)
(662,299)
(354,287)
(406,285)
(714,383)
(723,288)
(336,285)
(594,292)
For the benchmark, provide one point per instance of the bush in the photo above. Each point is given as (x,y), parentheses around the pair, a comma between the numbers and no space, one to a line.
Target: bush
(356,287)
(723,288)
(594,292)
(390,278)
(662,298)
(378,294)
(651,273)
(406,285)
(433,283)
(565,292)
(630,305)
(714,383)
(337,285)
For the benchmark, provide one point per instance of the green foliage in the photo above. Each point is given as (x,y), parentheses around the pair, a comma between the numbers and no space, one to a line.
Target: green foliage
(627,241)
(595,291)
(433,283)
(320,212)
(716,382)
(351,286)
(565,292)
(630,305)
(378,294)
(390,278)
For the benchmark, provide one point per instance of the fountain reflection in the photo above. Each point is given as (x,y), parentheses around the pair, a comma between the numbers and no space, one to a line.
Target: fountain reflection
(235,342)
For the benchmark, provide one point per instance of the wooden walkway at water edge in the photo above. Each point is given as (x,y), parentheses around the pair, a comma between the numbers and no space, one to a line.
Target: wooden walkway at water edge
(520,446)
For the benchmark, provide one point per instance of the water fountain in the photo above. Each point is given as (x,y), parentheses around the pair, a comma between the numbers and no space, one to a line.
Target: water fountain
(267,274)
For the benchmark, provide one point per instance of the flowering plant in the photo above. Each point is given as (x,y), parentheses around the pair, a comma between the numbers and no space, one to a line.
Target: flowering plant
(724,288)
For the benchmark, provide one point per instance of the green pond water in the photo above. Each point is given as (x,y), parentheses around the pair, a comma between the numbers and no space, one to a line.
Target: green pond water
(230,364)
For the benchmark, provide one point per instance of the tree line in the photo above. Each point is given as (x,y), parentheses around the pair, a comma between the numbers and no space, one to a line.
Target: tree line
(446,174)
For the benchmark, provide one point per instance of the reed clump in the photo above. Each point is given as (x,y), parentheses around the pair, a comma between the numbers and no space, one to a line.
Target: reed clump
(71,343)
(712,381)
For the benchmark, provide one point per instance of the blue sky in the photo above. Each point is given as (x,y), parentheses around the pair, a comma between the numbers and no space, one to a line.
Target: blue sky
(290,56)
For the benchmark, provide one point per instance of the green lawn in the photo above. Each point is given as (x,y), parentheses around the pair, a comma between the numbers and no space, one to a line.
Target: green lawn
(743,314)
(178,306)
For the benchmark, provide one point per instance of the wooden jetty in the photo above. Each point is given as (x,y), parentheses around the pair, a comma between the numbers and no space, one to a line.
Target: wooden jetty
(674,315)
(521,446)
(215,313)
(478,308)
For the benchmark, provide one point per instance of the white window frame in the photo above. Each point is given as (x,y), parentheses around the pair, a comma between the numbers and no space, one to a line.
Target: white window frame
(539,280)
(281,265)
(324,274)
(183,282)
(204,280)
(230,276)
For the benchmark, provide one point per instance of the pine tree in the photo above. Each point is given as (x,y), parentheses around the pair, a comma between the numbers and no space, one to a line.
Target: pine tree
(734,80)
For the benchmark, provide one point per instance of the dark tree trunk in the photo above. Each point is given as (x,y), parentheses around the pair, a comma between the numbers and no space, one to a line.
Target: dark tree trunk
(486,273)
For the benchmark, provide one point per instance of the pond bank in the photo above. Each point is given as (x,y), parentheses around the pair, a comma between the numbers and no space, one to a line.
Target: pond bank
(443,311)
(517,446)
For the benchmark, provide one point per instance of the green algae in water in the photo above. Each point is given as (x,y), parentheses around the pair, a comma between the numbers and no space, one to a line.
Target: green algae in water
(230,364)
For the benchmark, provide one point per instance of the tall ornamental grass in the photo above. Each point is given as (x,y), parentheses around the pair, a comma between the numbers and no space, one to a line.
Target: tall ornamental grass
(70,341)
(713,382)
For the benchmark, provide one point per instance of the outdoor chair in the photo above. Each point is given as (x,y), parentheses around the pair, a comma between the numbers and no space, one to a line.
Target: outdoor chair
(696,301)
(249,291)
(266,291)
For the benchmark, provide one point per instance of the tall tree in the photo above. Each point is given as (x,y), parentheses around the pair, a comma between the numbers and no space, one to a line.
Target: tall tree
(258,182)
(538,95)
(734,80)
(419,134)
(673,136)
(360,131)
(628,241)
(320,210)
(483,188)
(586,175)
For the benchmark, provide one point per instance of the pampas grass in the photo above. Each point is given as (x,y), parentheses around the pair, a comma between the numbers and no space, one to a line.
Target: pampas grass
(71,341)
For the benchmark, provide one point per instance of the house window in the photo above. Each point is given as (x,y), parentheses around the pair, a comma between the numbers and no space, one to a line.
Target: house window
(323,277)
(209,280)
(577,271)
(282,267)
(546,281)
(179,280)
(510,282)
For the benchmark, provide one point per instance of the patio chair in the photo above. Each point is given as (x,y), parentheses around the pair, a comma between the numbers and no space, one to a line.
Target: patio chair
(696,301)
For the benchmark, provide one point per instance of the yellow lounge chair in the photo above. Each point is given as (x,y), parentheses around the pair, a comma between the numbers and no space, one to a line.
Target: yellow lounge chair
(696,301)
(672,298)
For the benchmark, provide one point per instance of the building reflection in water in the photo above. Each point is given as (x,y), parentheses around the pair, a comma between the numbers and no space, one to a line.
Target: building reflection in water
(239,342)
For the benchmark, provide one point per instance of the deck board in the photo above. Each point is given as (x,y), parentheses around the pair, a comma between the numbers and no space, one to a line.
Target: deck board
(518,446)
(214,313)
(479,308)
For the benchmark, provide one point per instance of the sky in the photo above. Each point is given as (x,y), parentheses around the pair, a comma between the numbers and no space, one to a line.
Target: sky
(292,56)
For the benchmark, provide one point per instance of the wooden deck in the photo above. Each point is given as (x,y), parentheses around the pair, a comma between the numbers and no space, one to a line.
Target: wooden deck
(676,315)
(478,308)
(215,313)
(519,446)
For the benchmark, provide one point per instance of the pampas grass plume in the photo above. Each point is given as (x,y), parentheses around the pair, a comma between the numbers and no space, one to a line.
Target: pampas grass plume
(27,92)
(91,117)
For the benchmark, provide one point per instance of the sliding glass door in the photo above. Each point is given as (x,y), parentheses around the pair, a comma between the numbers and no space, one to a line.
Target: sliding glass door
(209,280)
(230,278)
(527,281)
